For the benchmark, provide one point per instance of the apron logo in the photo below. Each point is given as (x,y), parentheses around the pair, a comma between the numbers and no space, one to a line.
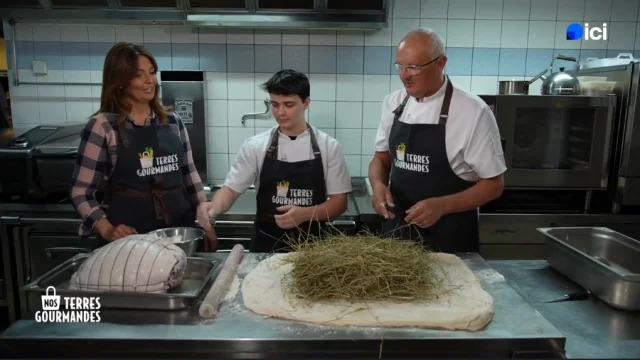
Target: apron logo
(164,164)
(286,196)
(411,162)
(146,158)
(400,151)
(282,188)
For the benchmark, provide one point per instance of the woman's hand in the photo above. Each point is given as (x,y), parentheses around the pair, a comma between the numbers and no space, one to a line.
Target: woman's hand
(121,231)
(112,233)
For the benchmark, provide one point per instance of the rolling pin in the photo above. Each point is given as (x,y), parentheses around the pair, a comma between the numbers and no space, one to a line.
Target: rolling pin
(209,306)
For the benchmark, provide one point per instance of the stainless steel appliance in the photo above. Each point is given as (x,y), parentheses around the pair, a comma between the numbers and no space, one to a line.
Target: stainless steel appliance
(184,90)
(39,163)
(512,87)
(559,142)
(561,82)
(621,59)
(626,136)
(601,260)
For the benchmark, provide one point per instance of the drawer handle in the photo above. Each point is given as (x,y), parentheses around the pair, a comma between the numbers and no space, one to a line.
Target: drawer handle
(51,251)
(231,222)
(234,222)
(504,231)
(341,223)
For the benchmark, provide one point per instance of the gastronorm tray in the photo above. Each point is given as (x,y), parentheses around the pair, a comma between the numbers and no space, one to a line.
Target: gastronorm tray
(196,277)
(600,260)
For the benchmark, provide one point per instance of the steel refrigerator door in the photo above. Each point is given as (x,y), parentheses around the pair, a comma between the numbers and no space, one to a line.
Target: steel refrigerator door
(184,91)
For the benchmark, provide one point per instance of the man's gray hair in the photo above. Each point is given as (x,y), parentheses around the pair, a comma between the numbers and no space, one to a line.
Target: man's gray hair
(437,44)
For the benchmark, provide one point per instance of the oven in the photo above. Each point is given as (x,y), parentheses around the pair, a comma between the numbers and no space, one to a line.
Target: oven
(625,175)
(232,232)
(556,142)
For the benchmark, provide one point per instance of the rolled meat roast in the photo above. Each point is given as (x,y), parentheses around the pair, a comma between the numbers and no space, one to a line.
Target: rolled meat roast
(135,263)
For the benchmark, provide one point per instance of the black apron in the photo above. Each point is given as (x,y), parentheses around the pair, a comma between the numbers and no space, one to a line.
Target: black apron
(281,183)
(146,189)
(420,169)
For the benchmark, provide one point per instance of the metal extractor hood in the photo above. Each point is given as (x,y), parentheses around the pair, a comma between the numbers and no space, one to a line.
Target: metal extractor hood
(277,14)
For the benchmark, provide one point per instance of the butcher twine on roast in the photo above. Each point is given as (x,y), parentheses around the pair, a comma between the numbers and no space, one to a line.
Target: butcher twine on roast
(135,263)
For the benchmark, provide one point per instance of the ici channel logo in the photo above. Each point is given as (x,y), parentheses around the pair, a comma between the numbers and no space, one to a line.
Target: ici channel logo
(576,31)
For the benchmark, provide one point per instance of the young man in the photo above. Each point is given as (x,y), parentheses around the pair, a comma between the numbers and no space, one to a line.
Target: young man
(300,173)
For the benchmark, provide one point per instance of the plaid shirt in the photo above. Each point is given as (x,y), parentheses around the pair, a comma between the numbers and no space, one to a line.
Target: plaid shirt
(96,160)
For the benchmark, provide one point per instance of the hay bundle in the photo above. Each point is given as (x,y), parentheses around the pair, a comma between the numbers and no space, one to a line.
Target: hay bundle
(363,268)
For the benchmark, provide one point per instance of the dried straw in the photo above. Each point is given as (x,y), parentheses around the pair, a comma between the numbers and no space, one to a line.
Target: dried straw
(363,268)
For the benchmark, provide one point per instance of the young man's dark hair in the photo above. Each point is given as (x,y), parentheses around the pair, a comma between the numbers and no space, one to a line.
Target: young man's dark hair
(288,82)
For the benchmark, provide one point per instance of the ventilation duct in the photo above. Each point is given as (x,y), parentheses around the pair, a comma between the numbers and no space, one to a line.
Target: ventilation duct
(308,14)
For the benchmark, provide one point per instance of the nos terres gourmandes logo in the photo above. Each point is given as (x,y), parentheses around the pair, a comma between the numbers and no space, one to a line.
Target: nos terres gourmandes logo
(76,309)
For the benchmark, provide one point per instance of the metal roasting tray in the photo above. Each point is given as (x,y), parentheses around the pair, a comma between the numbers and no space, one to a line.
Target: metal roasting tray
(196,277)
(600,260)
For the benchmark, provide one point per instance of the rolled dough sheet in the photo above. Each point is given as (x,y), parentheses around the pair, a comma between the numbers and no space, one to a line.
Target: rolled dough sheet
(466,306)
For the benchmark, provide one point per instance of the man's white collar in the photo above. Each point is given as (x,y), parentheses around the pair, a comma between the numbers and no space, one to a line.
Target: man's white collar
(437,94)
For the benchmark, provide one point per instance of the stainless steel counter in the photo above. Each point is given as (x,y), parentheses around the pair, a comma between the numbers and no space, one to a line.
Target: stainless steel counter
(243,209)
(593,329)
(517,330)
(514,236)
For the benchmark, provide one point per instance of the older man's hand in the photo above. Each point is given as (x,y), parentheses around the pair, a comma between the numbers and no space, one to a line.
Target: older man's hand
(425,213)
(381,198)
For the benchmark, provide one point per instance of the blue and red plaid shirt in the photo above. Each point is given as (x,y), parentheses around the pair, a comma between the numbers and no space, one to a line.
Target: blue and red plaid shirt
(97,155)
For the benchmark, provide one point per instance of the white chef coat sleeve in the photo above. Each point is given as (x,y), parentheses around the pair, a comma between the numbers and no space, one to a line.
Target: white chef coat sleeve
(484,150)
(386,120)
(338,180)
(244,169)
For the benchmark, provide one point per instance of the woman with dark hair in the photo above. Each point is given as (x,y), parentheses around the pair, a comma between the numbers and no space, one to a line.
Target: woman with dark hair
(154,183)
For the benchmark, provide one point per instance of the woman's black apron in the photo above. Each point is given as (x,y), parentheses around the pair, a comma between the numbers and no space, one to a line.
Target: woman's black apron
(282,183)
(420,170)
(146,190)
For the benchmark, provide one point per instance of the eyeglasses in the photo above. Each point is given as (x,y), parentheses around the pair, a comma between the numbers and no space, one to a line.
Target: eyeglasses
(413,69)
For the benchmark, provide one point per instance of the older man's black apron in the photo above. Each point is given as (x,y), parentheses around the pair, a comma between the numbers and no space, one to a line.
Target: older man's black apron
(146,190)
(420,169)
(281,183)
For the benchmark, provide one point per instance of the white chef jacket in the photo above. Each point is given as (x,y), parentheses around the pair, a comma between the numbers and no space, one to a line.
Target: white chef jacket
(472,137)
(245,169)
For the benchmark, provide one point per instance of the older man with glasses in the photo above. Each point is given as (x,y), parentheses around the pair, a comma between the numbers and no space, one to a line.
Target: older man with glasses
(438,155)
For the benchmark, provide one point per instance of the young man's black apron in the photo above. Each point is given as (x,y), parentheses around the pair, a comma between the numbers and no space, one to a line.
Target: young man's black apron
(420,169)
(146,190)
(281,183)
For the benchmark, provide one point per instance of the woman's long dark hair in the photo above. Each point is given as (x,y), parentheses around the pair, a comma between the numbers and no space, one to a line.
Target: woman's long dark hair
(120,67)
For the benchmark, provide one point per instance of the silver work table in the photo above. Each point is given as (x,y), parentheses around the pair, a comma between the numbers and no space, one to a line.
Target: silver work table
(593,328)
(516,330)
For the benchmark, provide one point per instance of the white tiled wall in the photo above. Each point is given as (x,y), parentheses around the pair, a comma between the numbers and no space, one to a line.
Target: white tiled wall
(350,72)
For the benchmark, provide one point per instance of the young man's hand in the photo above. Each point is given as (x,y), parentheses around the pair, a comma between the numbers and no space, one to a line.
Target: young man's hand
(205,215)
(291,216)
